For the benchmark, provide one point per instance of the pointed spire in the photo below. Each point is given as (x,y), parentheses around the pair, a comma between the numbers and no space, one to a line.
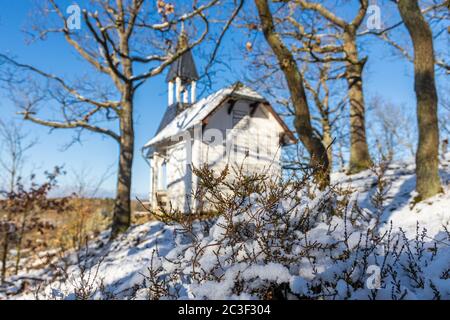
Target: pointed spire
(184,67)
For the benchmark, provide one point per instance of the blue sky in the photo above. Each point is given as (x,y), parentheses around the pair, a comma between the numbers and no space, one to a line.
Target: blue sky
(386,74)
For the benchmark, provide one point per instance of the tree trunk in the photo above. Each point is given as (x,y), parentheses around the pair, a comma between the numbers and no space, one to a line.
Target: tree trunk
(122,205)
(12,183)
(294,79)
(359,151)
(20,240)
(427,156)
(327,141)
(4,255)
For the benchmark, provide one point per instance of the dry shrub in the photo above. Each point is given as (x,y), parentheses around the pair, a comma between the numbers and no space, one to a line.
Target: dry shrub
(22,220)
(85,221)
(278,239)
(36,230)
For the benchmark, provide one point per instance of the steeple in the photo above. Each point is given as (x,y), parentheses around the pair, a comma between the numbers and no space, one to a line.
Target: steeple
(183,74)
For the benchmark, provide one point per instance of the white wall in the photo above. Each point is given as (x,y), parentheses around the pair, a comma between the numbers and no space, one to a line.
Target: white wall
(178,176)
(260,139)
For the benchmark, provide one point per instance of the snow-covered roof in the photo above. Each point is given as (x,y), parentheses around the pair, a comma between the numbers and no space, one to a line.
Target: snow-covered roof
(200,110)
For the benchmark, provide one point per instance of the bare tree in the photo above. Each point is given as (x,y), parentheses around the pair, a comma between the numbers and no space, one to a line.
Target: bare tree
(436,13)
(88,185)
(427,158)
(125,43)
(343,48)
(320,85)
(392,127)
(23,210)
(14,145)
(295,82)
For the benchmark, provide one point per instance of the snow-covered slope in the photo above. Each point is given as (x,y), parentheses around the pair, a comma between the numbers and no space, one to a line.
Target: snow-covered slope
(119,269)
(400,209)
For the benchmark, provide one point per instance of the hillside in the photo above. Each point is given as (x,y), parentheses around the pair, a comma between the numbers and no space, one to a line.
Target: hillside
(122,269)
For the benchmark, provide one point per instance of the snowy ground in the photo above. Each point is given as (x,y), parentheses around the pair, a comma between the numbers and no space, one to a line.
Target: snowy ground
(431,214)
(117,267)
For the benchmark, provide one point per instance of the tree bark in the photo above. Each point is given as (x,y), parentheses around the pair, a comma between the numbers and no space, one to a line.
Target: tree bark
(294,79)
(122,205)
(427,156)
(4,256)
(327,141)
(359,150)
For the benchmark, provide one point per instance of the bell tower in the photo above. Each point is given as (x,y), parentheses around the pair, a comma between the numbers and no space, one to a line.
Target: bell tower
(182,77)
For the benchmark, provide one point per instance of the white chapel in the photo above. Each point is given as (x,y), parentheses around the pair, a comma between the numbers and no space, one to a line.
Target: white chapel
(234,126)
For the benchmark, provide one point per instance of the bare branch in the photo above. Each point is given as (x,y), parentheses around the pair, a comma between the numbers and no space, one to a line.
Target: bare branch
(102,104)
(70,125)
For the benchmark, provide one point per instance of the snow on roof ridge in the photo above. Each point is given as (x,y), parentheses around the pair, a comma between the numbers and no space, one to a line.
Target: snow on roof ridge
(199,110)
